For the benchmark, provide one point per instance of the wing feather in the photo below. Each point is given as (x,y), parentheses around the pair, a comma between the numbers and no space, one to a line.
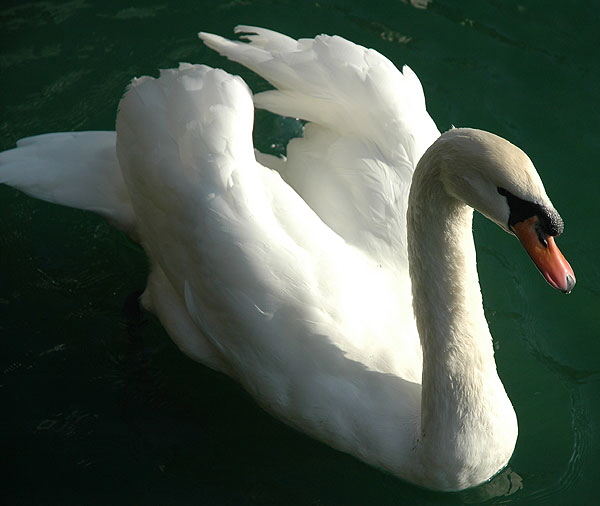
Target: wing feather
(367,129)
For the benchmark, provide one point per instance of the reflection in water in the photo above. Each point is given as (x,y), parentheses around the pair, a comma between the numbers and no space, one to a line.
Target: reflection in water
(505,483)
(420,4)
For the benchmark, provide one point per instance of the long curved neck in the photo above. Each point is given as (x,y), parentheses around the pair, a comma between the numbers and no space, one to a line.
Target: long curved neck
(468,425)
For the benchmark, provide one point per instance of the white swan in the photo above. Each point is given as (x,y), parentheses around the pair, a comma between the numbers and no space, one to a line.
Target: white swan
(295,281)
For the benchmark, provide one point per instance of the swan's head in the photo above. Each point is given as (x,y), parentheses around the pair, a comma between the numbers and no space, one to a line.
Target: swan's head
(499,180)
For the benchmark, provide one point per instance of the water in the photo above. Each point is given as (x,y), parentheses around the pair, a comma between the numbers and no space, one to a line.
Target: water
(100,409)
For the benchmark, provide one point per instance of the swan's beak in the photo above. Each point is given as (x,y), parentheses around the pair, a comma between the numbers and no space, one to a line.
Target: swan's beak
(545,254)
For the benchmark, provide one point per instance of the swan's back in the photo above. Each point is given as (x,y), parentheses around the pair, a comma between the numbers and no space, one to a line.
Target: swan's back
(248,279)
(220,226)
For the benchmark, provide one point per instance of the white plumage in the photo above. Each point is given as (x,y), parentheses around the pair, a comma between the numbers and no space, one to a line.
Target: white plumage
(295,281)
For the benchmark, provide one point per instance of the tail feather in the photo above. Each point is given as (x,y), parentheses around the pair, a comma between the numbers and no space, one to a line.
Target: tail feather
(75,169)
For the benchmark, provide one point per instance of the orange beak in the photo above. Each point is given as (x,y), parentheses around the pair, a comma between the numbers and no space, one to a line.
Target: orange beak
(545,254)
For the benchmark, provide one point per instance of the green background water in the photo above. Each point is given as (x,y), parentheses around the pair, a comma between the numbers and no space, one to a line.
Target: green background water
(97,410)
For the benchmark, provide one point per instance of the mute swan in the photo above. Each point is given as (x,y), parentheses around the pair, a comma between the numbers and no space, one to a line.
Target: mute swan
(343,313)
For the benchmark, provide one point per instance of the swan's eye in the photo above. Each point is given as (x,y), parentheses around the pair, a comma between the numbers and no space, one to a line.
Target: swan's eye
(542,237)
(550,223)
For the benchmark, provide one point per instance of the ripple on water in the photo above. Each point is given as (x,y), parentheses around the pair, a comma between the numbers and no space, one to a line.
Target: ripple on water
(580,423)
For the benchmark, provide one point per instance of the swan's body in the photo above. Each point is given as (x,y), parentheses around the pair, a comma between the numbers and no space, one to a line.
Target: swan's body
(298,286)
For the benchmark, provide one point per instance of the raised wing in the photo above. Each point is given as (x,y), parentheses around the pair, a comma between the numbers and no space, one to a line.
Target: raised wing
(368,128)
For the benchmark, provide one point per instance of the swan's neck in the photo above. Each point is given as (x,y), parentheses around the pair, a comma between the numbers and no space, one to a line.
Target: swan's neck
(468,426)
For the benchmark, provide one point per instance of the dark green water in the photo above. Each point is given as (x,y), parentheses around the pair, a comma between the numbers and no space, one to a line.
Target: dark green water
(97,410)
